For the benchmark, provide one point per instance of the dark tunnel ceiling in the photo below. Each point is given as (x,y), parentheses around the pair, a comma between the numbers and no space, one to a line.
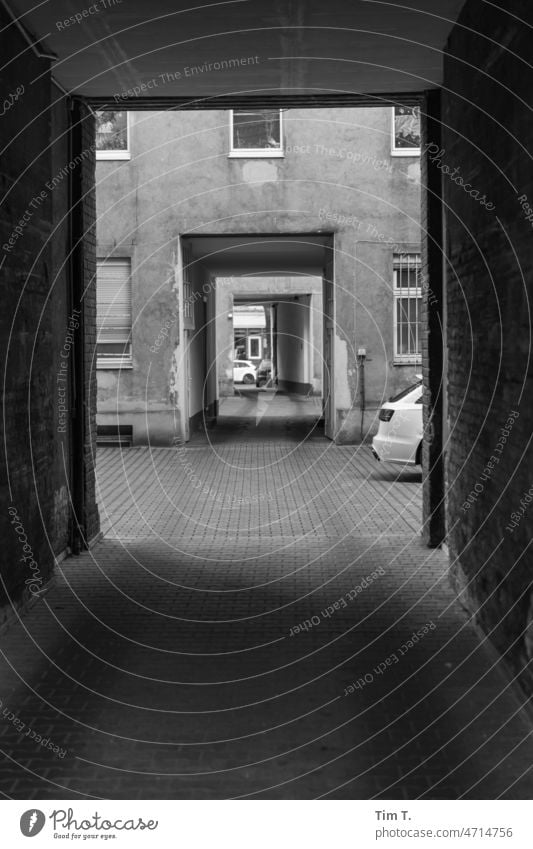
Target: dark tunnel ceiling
(305,47)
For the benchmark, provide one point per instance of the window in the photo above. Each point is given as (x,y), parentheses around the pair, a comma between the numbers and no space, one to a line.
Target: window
(405,130)
(113,313)
(407,304)
(254,347)
(239,346)
(112,136)
(256,133)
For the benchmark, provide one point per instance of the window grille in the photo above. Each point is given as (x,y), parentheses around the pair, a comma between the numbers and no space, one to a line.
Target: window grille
(407,289)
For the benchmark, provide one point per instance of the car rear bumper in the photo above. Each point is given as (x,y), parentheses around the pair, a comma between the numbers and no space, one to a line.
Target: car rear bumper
(394,451)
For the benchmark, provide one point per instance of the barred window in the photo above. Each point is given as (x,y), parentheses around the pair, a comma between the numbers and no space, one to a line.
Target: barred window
(407,288)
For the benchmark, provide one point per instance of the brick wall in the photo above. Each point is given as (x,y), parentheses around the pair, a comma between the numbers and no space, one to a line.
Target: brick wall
(433,529)
(34,511)
(39,337)
(486,113)
(83,265)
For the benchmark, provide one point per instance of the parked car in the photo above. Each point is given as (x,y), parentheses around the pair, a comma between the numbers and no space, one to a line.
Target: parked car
(263,373)
(399,437)
(243,371)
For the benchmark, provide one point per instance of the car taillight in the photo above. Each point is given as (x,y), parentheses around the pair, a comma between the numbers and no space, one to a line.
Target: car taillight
(385,415)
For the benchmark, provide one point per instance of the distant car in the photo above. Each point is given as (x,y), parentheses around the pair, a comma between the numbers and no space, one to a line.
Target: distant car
(263,373)
(399,438)
(243,371)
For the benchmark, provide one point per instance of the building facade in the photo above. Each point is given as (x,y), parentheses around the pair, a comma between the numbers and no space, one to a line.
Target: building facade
(316,212)
(251,337)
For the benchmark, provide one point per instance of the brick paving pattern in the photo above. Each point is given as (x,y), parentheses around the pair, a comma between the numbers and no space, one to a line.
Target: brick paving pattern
(170,661)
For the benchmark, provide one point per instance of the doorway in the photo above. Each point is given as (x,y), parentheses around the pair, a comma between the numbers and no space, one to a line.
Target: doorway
(264,332)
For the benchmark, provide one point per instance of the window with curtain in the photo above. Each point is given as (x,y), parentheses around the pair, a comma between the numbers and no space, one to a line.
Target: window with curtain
(405,130)
(256,133)
(113,313)
(112,135)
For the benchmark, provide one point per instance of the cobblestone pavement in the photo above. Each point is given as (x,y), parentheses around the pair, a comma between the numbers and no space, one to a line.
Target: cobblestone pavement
(245,629)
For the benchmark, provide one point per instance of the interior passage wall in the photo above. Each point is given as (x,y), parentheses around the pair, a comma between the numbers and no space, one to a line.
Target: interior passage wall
(37,327)
(196,345)
(487,173)
(293,337)
(248,286)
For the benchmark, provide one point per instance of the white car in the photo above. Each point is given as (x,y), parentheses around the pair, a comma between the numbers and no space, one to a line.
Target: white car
(399,438)
(243,371)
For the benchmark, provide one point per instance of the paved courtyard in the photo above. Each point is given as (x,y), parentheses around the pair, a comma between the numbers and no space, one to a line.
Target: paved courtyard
(260,620)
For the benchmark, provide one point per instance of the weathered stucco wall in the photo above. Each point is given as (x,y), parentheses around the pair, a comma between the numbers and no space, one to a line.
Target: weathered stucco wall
(295,352)
(337,176)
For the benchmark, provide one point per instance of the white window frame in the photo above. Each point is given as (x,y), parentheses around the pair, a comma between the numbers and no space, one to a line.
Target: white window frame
(257,339)
(255,152)
(400,151)
(413,262)
(118,154)
(126,361)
